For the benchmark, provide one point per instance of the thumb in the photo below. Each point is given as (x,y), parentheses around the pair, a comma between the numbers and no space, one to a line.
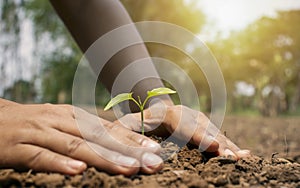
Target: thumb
(133,122)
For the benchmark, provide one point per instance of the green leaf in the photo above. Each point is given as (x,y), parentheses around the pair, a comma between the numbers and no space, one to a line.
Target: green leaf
(117,99)
(160,91)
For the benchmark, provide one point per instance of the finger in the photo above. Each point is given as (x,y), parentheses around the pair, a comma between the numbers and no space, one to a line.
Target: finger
(60,117)
(88,125)
(138,146)
(207,143)
(67,120)
(133,139)
(67,117)
(194,127)
(105,133)
(94,130)
(40,159)
(190,126)
(118,138)
(205,139)
(243,153)
(154,116)
(229,149)
(111,161)
(133,121)
(84,124)
(77,148)
(93,154)
(148,158)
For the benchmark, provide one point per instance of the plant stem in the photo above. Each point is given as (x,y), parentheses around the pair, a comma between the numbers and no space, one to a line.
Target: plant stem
(141,106)
(142,118)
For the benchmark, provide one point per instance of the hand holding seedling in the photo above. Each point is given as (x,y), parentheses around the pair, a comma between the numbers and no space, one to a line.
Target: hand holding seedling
(185,123)
(128,96)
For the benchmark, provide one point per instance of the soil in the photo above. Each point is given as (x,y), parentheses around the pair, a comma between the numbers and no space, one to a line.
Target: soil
(275,162)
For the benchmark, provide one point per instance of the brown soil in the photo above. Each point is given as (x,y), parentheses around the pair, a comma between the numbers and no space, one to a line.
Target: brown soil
(265,137)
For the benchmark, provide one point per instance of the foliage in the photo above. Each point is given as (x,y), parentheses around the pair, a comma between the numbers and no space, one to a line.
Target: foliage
(177,12)
(128,96)
(59,64)
(266,56)
(10,23)
(20,91)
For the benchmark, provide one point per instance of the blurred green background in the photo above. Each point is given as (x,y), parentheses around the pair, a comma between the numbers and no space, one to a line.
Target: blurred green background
(260,61)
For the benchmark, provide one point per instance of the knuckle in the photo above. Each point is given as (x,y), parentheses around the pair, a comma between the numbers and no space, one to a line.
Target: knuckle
(137,139)
(48,110)
(111,126)
(51,109)
(114,128)
(67,107)
(74,145)
(70,109)
(97,133)
(35,159)
(48,105)
(174,110)
(179,108)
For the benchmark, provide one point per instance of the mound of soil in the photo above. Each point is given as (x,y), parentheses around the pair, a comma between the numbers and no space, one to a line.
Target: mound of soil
(189,168)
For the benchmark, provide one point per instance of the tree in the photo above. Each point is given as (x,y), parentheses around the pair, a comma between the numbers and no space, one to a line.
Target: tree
(20,91)
(266,56)
(10,21)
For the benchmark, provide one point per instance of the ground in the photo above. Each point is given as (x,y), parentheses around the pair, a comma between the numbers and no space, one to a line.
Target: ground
(274,142)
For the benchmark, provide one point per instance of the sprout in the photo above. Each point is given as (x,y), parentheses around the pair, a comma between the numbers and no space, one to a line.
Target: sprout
(128,96)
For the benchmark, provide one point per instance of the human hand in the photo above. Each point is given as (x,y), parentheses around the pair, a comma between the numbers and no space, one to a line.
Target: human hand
(46,138)
(186,124)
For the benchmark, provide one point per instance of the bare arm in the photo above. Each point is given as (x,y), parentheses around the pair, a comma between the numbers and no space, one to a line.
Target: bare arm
(89,20)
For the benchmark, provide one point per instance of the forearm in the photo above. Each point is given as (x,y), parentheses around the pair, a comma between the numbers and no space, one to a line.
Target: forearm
(88,21)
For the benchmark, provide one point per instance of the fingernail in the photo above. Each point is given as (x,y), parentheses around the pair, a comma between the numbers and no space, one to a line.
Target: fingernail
(76,165)
(150,144)
(126,161)
(151,160)
(206,145)
(243,153)
(229,153)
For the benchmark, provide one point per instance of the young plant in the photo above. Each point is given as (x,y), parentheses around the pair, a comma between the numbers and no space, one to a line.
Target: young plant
(128,96)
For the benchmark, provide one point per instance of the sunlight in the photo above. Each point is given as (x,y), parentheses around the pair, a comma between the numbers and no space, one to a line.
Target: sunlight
(229,15)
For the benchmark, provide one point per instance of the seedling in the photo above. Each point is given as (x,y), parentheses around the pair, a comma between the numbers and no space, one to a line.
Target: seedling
(128,96)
